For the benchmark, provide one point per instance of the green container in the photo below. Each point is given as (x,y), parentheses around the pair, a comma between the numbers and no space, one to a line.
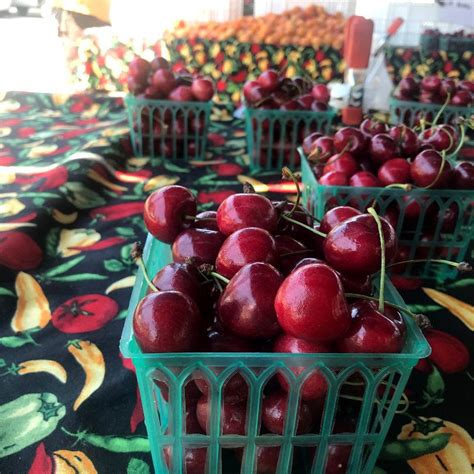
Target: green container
(162,377)
(456,44)
(428,44)
(273,136)
(448,242)
(168,129)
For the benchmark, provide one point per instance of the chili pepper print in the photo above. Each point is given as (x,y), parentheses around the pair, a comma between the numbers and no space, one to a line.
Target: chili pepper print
(84,313)
(90,358)
(456,456)
(12,254)
(42,462)
(72,462)
(137,414)
(11,207)
(27,420)
(102,244)
(117,211)
(5,227)
(51,179)
(413,448)
(70,239)
(126,282)
(36,366)
(114,444)
(98,178)
(63,218)
(159,181)
(32,309)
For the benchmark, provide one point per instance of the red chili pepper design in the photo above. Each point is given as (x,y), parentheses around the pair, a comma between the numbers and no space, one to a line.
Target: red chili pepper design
(42,463)
(102,244)
(214,196)
(118,211)
(52,179)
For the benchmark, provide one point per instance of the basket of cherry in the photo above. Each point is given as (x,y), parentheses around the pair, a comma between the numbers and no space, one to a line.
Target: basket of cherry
(411,178)
(279,113)
(446,99)
(168,112)
(262,344)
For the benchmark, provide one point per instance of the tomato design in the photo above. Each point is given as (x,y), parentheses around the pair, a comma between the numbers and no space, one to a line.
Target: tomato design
(84,313)
(227,169)
(12,251)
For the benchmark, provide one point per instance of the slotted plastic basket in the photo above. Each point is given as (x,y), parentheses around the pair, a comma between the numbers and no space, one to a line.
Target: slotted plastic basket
(273,136)
(163,379)
(424,236)
(168,129)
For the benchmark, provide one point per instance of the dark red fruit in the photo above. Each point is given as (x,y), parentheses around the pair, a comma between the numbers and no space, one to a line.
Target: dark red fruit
(342,162)
(267,458)
(461,99)
(337,458)
(159,63)
(349,139)
(206,220)
(406,140)
(370,127)
(361,284)
(408,87)
(334,178)
(463,176)
(254,92)
(425,169)
(364,179)
(308,142)
(396,170)
(431,84)
(199,245)
(139,69)
(269,79)
(194,459)
(382,148)
(179,277)
(322,149)
(182,94)
(202,89)
(286,246)
(233,417)
(335,216)
(164,81)
(321,93)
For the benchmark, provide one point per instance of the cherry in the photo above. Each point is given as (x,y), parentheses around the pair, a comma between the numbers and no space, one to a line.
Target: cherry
(166,210)
(337,458)
(335,216)
(322,149)
(306,101)
(153,92)
(182,94)
(159,63)
(342,162)
(233,416)
(308,142)
(462,98)
(321,93)
(289,245)
(179,277)
(463,176)
(349,139)
(334,178)
(269,80)
(364,179)
(382,148)
(429,98)
(226,342)
(447,86)
(316,316)
(317,106)
(407,87)
(354,245)
(371,331)
(315,386)
(370,127)
(442,138)
(167,321)
(291,105)
(191,421)
(254,92)
(307,261)
(425,170)
(267,458)
(139,69)
(300,215)
(396,170)
(202,89)
(361,284)
(246,210)
(194,459)
(431,84)
(466,85)
(406,139)
(134,86)
(274,410)
(199,245)
(206,220)
(164,81)
(245,246)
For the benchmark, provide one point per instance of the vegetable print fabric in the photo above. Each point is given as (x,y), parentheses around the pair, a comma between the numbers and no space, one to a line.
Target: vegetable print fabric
(71,201)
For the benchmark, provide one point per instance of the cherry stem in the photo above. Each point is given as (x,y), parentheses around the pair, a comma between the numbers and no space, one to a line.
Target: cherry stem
(441,110)
(461,140)
(406,187)
(296,252)
(307,227)
(191,218)
(220,277)
(374,214)
(461,266)
(440,171)
(287,173)
(137,256)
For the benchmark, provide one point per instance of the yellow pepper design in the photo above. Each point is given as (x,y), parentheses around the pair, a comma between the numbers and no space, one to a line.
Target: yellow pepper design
(72,462)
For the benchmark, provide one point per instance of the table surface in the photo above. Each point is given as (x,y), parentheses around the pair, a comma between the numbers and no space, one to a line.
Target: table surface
(71,225)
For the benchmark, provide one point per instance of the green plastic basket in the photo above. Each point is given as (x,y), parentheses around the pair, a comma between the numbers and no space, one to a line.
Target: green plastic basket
(273,136)
(384,377)
(450,244)
(168,129)
(456,44)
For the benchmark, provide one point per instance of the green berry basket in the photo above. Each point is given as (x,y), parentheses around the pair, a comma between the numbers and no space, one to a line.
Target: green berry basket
(273,136)
(168,129)
(162,379)
(422,235)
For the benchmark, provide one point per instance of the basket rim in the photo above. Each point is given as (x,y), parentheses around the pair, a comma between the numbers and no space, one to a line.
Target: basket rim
(415,103)
(131,100)
(331,112)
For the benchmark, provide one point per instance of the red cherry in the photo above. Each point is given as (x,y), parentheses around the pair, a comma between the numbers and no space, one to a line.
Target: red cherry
(199,245)
(274,410)
(442,138)
(407,87)
(179,277)
(317,106)
(139,69)
(463,176)
(287,245)
(337,458)
(396,170)
(267,458)
(164,81)
(462,98)
(321,93)
(425,168)
(306,101)
(370,127)
(269,80)
(342,162)
(315,386)
(194,459)
(308,142)
(322,149)
(406,140)
(246,305)
(159,63)
(182,94)
(466,85)
(167,321)
(166,210)
(246,210)
(336,216)
(349,139)
(254,92)
(246,246)
(203,89)
(317,316)
(354,245)
(364,179)
(233,416)
(431,84)
(448,86)
(334,178)
(206,220)
(361,284)
(382,148)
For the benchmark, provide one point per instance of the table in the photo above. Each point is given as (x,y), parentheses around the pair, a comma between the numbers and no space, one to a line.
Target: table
(70,226)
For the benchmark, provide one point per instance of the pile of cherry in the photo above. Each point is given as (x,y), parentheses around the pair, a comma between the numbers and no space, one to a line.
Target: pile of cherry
(434,90)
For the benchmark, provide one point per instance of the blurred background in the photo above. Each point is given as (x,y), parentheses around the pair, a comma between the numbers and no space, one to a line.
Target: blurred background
(73,45)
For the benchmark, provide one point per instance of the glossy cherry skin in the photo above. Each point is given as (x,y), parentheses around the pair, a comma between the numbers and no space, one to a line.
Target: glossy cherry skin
(335,216)
(159,63)
(461,98)
(361,284)
(269,79)
(194,459)
(199,245)
(396,170)
(274,411)
(370,127)
(287,245)
(448,86)
(202,89)
(306,101)
(342,162)
(463,176)
(307,261)
(466,85)
(246,210)
(354,245)
(310,304)
(266,456)
(164,81)
(233,416)
(167,321)
(206,220)
(334,178)
(243,247)
(139,69)
(364,179)
(352,138)
(371,331)
(166,210)
(179,277)
(246,305)
(322,149)
(315,386)
(425,169)
(406,140)
(337,458)
(431,84)
(382,148)
(182,94)
(321,93)
(285,227)
(442,138)
(408,87)
(309,141)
